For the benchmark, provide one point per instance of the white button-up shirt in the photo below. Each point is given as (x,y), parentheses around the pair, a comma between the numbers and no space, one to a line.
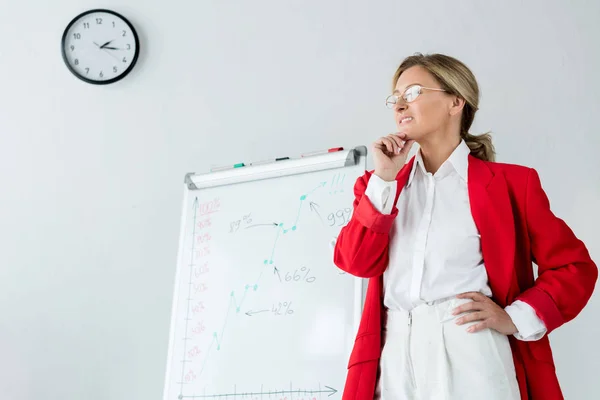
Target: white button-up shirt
(435,247)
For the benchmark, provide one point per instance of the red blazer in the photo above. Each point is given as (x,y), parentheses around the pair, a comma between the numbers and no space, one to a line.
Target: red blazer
(517,227)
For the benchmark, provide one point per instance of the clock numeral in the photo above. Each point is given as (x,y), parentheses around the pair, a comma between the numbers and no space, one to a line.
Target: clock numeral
(115,69)
(99,21)
(114,24)
(86,25)
(87,71)
(124,33)
(77,36)
(72,48)
(128,47)
(76,61)
(101,74)
(124,59)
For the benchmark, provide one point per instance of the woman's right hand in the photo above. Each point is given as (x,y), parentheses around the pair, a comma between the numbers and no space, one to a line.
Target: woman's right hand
(389,155)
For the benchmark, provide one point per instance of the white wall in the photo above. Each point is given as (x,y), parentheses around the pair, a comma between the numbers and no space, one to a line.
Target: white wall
(91,176)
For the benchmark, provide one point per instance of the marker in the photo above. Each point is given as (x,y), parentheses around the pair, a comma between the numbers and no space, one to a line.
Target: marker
(238,165)
(318,153)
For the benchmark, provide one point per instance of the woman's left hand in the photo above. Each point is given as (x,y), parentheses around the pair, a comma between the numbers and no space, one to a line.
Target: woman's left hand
(483,309)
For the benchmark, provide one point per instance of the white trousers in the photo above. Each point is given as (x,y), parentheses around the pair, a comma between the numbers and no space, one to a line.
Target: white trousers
(426,356)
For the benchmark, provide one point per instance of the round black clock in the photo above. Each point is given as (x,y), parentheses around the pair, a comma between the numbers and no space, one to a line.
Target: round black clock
(100,46)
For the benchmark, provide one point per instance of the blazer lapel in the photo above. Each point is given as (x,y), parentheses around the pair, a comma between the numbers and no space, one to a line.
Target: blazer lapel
(492,212)
(402,177)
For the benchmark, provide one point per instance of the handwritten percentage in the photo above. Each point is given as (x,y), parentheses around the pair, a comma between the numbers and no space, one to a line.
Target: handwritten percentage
(204,223)
(198,307)
(202,269)
(194,352)
(277,310)
(203,238)
(199,253)
(199,328)
(190,376)
(297,276)
(210,207)
(200,287)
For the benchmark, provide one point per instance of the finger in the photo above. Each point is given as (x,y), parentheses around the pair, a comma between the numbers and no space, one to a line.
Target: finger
(401,135)
(396,139)
(380,144)
(476,296)
(470,306)
(389,144)
(477,327)
(474,316)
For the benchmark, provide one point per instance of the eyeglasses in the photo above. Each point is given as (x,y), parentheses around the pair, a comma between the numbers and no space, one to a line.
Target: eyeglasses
(409,95)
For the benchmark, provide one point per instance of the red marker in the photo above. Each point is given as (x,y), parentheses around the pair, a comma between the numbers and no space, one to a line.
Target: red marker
(318,153)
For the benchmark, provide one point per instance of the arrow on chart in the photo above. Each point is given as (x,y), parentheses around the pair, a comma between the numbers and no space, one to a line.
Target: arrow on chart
(251,313)
(276,271)
(322,184)
(272,225)
(313,207)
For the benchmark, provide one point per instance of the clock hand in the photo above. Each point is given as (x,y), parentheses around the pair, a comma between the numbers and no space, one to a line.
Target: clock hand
(112,48)
(107,43)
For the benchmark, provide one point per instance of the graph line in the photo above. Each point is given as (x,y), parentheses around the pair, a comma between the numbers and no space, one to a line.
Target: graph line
(218,339)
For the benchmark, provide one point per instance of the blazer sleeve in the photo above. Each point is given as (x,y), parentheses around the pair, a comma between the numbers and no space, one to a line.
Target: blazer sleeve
(566,273)
(362,246)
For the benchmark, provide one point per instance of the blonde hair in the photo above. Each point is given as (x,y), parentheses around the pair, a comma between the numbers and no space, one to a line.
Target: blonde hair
(457,79)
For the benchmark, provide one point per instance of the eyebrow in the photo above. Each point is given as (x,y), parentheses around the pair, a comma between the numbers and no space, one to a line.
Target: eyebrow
(407,86)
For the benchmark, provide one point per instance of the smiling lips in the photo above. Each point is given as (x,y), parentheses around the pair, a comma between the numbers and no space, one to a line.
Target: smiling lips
(406,120)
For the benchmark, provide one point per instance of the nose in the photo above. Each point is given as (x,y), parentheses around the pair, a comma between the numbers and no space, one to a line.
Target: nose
(400,105)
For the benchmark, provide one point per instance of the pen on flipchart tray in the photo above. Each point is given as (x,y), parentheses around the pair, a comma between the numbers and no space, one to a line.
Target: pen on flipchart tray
(320,152)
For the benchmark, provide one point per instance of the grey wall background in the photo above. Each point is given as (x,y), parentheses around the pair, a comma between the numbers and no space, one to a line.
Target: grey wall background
(91,176)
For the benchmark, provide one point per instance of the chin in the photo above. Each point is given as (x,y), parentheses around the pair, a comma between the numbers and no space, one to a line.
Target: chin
(412,135)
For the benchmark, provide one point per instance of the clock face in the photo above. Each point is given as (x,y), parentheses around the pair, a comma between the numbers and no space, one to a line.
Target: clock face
(100,46)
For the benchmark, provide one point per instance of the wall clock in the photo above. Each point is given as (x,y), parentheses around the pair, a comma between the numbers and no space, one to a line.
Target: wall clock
(100,46)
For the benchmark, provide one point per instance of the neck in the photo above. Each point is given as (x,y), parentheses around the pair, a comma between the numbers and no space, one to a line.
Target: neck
(435,151)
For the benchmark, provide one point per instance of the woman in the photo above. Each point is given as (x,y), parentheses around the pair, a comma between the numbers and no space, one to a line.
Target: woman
(452,310)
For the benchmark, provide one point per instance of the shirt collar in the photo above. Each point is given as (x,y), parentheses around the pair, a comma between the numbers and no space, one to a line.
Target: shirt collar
(458,160)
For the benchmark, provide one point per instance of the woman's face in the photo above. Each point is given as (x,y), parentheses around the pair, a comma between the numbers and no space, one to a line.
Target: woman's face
(430,110)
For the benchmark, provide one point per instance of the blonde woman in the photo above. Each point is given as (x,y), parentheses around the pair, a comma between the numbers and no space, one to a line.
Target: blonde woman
(448,239)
